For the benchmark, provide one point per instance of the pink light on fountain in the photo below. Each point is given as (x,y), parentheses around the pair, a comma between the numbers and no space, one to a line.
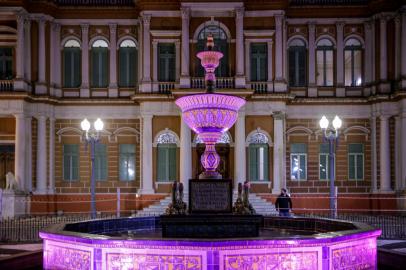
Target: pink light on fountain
(209,114)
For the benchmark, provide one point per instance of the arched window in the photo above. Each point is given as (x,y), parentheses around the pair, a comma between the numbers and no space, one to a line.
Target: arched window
(220,44)
(353,62)
(325,62)
(71,64)
(166,144)
(297,63)
(99,67)
(127,58)
(258,151)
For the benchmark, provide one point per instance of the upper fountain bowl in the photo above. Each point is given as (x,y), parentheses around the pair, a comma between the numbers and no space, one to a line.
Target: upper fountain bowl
(210,59)
(210,113)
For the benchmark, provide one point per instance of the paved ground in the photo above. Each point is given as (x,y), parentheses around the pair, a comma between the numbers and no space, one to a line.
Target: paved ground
(395,245)
(13,249)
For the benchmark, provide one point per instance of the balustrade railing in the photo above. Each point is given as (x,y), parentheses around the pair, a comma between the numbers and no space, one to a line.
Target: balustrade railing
(166,87)
(259,87)
(6,85)
(94,2)
(329,2)
(221,82)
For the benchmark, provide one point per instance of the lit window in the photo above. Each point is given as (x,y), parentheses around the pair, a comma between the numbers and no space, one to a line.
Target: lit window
(324,162)
(298,161)
(356,161)
(353,62)
(325,63)
(127,162)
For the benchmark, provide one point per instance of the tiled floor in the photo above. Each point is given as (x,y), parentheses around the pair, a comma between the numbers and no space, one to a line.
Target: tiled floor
(12,249)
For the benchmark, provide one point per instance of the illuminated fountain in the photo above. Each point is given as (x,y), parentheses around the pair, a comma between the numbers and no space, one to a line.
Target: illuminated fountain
(140,243)
(210,115)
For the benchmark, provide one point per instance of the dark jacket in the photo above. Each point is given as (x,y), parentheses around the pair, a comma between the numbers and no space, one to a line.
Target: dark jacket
(283,202)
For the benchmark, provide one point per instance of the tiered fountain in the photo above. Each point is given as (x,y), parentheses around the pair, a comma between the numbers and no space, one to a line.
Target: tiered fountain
(282,243)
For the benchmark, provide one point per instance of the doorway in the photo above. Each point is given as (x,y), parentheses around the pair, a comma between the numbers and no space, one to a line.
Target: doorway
(6,162)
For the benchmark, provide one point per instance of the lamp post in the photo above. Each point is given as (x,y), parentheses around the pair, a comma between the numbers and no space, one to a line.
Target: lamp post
(92,139)
(332,136)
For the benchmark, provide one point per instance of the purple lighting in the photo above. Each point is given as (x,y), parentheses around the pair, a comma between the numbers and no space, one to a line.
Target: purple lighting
(210,115)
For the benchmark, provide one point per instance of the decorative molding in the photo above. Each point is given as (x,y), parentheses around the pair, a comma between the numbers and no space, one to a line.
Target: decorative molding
(165,33)
(324,21)
(65,39)
(299,131)
(119,132)
(259,33)
(172,137)
(121,39)
(363,131)
(261,133)
(64,130)
(103,22)
(225,137)
(211,22)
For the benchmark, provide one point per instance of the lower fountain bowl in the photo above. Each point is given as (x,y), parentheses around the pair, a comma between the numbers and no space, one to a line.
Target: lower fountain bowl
(284,243)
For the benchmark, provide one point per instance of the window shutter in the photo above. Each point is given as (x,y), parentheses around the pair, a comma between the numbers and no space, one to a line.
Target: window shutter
(172,68)
(253,163)
(66,163)
(360,167)
(95,67)
(132,58)
(172,162)
(123,63)
(161,163)
(76,67)
(263,68)
(292,74)
(302,67)
(302,167)
(105,67)
(266,162)
(351,166)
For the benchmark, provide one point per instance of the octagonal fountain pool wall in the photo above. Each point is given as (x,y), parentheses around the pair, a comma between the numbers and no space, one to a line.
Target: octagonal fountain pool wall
(284,243)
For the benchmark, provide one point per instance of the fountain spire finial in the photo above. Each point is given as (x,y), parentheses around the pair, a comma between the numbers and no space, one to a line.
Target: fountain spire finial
(210,60)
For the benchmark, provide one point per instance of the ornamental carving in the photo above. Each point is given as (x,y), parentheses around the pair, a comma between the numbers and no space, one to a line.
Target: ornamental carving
(167,138)
(66,258)
(225,138)
(258,137)
(362,256)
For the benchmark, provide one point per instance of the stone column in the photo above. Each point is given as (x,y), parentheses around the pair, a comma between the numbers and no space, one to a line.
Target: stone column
(20,151)
(55,55)
(384,86)
(146,80)
(270,65)
(239,48)
(280,83)
(19,82)
(240,164)
(403,150)
(185,156)
(155,65)
(51,166)
(374,180)
(312,88)
(147,187)
(368,68)
(40,86)
(278,147)
(28,155)
(113,90)
(27,52)
(403,51)
(385,154)
(184,74)
(41,187)
(247,60)
(84,89)
(340,90)
(398,153)
(177,61)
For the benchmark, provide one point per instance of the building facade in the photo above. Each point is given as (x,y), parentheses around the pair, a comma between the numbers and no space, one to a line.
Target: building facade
(127,61)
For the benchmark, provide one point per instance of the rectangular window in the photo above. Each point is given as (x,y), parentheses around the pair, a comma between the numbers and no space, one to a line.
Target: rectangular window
(100,162)
(127,162)
(166,162)
(258,162)
(325,67)
(297,66)
(100,62)
(298,161)
(356,161)
(72,68)
(6,63)
(70,162)
(128,66)
(324,162)
(166,62)
(353,67)
(259,62)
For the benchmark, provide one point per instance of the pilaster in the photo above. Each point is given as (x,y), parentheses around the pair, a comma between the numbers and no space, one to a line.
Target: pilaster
(240,174)
(51,166)
(113,88)
(147,187)
(20,83)
(185,155)
(27,52)
(384,86)
(279,118)
(40,86)
(84,89)
(41,187)
(146,80)
(385,179)
(340,90)
(280,82)
(20,151)
(239,45)
(28,154)
(185,56)
(312,88)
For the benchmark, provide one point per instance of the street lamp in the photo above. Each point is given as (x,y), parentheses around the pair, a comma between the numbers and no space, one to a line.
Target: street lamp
(332,136)
(92,139)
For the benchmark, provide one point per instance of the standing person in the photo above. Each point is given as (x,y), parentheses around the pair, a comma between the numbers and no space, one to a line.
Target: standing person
(283,204)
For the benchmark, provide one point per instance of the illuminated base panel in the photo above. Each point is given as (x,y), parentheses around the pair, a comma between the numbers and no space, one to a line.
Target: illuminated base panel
(356,250)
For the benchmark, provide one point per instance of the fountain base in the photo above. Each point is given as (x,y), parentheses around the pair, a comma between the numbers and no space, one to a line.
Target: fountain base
(210,175)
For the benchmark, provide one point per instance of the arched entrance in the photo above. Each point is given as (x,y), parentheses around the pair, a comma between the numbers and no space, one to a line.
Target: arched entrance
(222,148)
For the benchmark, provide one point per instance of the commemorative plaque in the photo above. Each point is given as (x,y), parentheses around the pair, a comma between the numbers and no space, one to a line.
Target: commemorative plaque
(210,196)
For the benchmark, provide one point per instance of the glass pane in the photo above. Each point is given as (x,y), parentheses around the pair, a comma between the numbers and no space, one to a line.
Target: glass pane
(66,167)
(302,66)
(324,148)
(320,67)
(123,165)
(358,67)
(356,148)
(75,168)
(329,68)
(161,163)
(323,167)
(298,148)
(294,167)
(131,167)
(348,67)
(261,165)
(172,163)
(360,167)
(253,172)
(351,166)
(303,167)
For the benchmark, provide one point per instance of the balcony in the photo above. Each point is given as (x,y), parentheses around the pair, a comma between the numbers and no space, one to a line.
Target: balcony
(260,87)
(6,85)
(221,83)
(328,2)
